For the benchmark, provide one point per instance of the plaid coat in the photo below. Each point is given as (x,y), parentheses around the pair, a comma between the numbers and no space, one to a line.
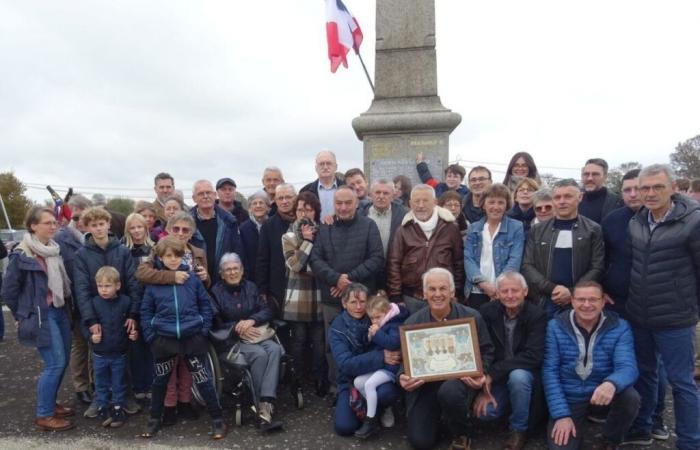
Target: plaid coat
(302,299)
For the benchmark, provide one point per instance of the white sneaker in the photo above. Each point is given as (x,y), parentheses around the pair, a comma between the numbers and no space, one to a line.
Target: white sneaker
(387,418)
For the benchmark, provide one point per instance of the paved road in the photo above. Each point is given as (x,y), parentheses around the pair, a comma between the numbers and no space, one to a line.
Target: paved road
(309,428)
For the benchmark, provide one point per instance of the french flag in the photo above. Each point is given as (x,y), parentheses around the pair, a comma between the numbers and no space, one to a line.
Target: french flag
(343,33)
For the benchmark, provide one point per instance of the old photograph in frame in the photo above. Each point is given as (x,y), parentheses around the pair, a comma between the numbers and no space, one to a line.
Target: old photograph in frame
(441,350)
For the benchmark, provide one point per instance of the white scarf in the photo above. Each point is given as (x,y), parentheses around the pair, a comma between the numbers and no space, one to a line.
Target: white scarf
(429,225)
(56,272)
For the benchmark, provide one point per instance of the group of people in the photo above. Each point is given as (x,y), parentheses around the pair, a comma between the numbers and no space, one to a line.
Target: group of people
(585,302)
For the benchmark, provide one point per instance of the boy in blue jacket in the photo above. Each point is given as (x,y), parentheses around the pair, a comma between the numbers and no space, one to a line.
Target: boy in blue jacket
(175,319)
(110,343)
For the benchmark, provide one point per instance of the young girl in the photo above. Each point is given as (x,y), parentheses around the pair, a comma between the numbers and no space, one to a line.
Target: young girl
(171,206)
(175,319)
(384,334)
(148,211)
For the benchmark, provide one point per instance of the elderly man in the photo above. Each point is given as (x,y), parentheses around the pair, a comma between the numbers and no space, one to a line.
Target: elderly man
(272,177)
(479,179)
(597,200)
(517,330)
(562,251)
(325,186)
(355,178)
(163,186)
(663,301)
(349,250)
(589,364)
(428,237)
(270,271)
(226,191)
(217,231)
(427,402)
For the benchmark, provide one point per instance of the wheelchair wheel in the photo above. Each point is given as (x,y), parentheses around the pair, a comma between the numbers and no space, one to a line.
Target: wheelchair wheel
(238,416)
(299,399)
(211,359)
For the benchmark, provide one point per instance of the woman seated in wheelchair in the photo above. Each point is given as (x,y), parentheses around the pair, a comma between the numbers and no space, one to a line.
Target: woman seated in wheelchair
(236,302)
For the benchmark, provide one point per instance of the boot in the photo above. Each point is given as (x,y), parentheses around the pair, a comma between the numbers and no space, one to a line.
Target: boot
(369,427)
(53,423)
(169,416)
(218,429)
(63,411)
(186,411)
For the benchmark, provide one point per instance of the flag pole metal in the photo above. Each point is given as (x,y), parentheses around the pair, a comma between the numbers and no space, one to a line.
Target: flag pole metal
(369,80)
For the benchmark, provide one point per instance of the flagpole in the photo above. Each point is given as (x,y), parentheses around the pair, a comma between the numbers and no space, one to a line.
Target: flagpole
(369,80)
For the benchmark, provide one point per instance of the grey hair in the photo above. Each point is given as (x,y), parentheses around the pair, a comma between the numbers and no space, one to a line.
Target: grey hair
(656,169)
(194,186)
(181,216)
(566,182)
(542,195)
(382,181)
(328,152)
(260,195)
(273,169)
(354,288)
(229,258)
(80,201)
(513,276)
(99,199)
(439,271)
(279,187)
(345,187)
(423,187)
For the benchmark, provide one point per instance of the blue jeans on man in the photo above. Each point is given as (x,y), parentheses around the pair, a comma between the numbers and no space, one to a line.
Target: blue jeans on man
(516,393)
(110,371)
(675,348)
(55,356)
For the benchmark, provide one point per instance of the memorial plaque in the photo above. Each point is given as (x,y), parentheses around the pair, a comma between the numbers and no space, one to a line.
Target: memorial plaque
(388,156)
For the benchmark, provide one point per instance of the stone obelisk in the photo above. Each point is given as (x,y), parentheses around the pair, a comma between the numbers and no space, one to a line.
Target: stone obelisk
(406,115)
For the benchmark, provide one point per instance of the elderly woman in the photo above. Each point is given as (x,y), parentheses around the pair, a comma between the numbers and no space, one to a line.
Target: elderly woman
(494,245)
(302,303)
(523,197)
(35,289)
(350,347)
(236,301)
(543,205)
(258,209)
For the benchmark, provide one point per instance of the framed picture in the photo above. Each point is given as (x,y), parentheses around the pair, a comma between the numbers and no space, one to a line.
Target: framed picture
(441,350)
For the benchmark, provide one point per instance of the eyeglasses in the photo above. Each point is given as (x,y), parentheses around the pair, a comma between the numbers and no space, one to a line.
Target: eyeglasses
(591,175)
(656,188)
(478,179)
(284,197)
(325,163)
(525,191)
(543,208)
(235,269)
(590,300)
(51,223)
(205,194)
(181,230)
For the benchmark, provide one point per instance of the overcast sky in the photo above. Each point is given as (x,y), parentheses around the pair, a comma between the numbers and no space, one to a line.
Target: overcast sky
(104,94)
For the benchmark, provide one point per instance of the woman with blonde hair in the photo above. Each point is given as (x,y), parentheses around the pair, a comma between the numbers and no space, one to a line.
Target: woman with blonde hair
(524,202)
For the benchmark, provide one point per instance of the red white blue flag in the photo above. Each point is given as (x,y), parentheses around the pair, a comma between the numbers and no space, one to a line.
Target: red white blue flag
(343,33)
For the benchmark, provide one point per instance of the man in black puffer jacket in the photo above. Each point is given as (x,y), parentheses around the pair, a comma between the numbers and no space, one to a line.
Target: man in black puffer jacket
(664,293)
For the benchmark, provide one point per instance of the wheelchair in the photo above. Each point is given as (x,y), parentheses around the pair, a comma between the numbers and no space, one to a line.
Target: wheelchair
(231,374)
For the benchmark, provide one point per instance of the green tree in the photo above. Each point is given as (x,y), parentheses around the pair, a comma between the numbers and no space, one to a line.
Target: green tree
(614,181)
(16,203)
(121,204)
(685,160)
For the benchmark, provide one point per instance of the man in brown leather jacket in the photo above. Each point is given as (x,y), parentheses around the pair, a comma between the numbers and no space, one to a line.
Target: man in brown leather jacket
(428,237)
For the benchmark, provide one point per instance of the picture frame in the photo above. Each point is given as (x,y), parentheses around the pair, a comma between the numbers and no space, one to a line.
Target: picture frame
(438,351)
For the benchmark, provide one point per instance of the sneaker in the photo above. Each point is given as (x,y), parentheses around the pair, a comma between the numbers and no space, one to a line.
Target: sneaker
(357,404)
(118,417)
(92,411)
(186,411)
(369,427)
(637,438)
(660,432)
(387,420)
(152,428)
(218,429)
(131,407)
(104,416)
(265,412)
(140,396)
(169,416)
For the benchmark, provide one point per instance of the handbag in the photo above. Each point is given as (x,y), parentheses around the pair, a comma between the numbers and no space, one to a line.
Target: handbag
(266,332)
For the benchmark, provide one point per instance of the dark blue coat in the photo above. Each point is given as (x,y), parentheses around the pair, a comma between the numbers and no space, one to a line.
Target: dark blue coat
(69,247)
(525,217)
(270,271)
(24,291)
(176,310)
(388,337)
(347,338)
(228,239)
(613,360)
(88,261)
(250,238)
(243,302)
(618,258)
(111,315)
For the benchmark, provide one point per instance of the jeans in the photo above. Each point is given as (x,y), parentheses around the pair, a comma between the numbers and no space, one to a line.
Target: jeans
(140,365)
(263,359)
(658,416)
(345,421)
(675,348)
(55,357)
(623,408)
(2,323)
(110,373)
(308,336)
(517,393)
(551,308)
(330,312)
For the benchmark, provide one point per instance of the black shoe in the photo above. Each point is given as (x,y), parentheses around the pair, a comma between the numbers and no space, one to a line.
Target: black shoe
(186,411)
(118,417)
(169,416)
(218,429)
(152,428)
(369,427)
(104,416)
(637,438)
(84,397)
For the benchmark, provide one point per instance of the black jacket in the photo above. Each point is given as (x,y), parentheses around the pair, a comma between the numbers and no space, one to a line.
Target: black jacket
(111,315)
(353,247)
(665,277)
(270,271)
(588,255)
(231,304)
(313,186)
(598,204)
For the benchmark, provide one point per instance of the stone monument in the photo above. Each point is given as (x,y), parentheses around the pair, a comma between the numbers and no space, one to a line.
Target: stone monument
(406,115)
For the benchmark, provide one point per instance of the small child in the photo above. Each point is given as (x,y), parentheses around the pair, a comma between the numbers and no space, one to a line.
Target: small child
(384,334)
(175,319)
(110,345)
